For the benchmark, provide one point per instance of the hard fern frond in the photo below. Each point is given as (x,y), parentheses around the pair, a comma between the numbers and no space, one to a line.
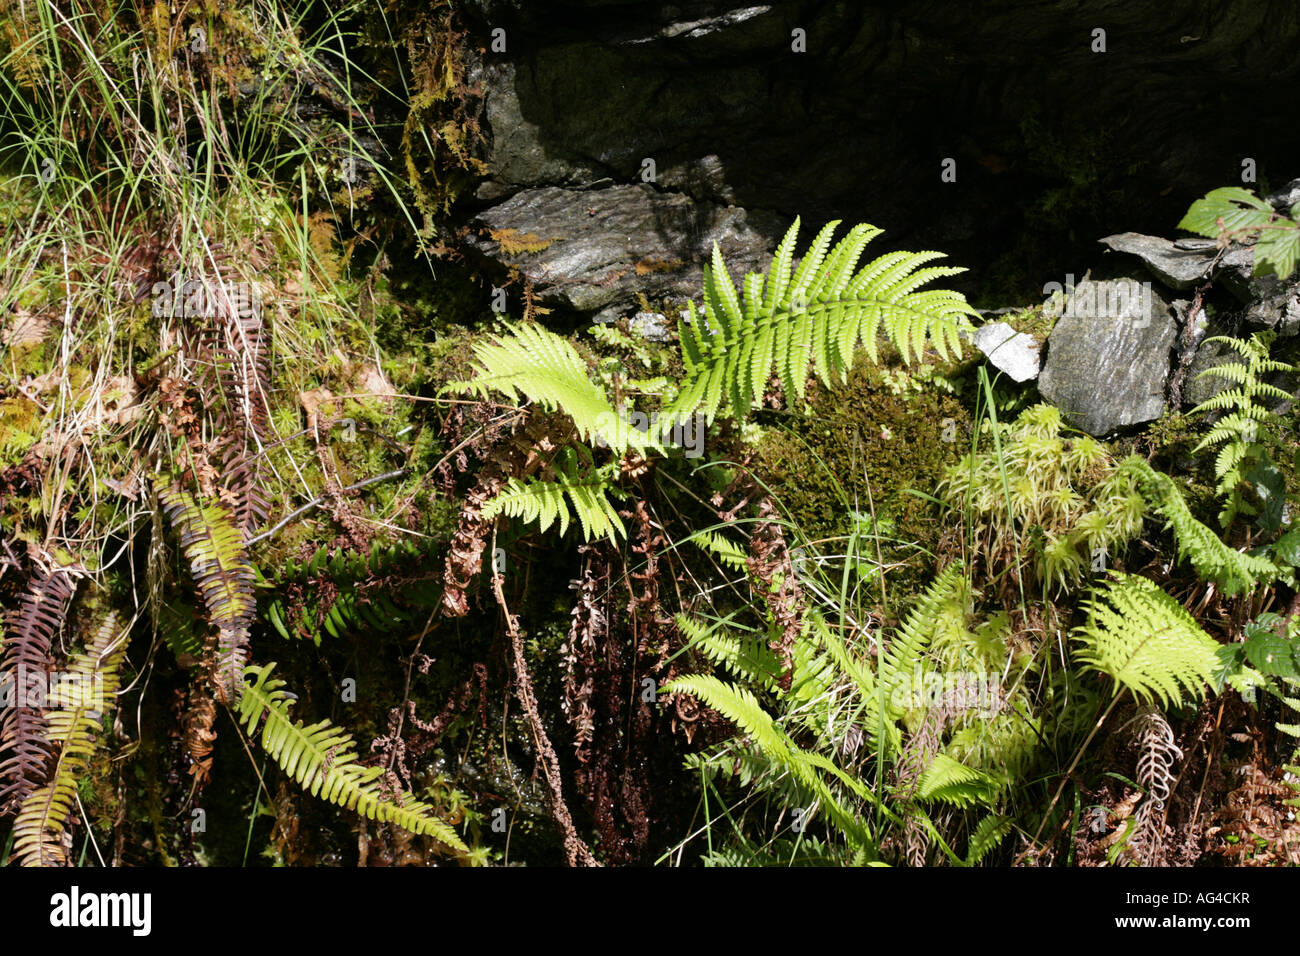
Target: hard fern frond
(547,501)
(214,545)
(917,631)
(390,587)
(1146,642)
(814,319)
(86,692)
(988,833)
(321,759)
(535,364)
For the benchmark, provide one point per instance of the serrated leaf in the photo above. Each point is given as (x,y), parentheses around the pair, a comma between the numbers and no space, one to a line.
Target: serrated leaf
(1278,249)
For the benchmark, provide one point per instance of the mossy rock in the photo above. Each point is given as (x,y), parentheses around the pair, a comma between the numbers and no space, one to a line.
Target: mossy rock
(862,448)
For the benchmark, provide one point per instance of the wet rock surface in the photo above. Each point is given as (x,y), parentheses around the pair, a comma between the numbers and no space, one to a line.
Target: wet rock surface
(601,247)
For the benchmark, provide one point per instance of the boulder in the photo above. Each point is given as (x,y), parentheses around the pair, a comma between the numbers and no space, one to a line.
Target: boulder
(1108,356)
(1178,268)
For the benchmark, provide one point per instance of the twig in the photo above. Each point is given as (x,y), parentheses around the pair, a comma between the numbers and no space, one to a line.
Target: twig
(574,848)
(320,499)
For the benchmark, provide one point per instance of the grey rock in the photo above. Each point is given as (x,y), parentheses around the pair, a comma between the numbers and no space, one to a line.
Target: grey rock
(1269,303)
(1108,356)
(713,92)
(1012,352)
(1178,267)
(1208,355)
(651,326)
(606,245)
(1278,310)
(1285,198)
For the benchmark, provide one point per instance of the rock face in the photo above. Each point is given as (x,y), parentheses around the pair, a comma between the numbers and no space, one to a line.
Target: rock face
(1108,356)
(733,112)
(600,247)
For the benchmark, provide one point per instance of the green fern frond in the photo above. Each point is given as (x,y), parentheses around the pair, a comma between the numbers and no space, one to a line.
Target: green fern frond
(394,585)
(79,701)
(1234,571)
(731,554)
(321,759)
(811,770)
(1146,642)
(211,539)
(916,632)
(986,837)
(535,364)
(746,656)
(946,780)
(547,501)
(813,319)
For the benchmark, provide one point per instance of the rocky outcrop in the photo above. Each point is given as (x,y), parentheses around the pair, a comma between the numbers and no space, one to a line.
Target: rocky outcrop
(738,116)
(594,251)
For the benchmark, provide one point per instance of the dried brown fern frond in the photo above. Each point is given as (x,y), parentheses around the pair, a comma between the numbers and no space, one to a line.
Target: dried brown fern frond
(226,342)
(25,751)
(77,706)
(200,722)
(589,624)
(518,455)
(770,566)
(1157,756)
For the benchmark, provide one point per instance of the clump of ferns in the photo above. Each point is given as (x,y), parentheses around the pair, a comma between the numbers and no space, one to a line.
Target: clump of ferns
(1044,509)
(857,755)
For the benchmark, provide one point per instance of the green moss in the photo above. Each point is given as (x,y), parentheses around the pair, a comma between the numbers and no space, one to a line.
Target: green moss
(861,449)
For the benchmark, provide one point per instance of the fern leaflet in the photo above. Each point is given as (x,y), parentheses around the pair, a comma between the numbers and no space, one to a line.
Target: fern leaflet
(320,758)
(547,501)
(1232,570)
(534,363)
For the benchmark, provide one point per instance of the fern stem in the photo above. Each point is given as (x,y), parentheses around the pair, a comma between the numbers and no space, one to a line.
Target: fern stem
(1069,772)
